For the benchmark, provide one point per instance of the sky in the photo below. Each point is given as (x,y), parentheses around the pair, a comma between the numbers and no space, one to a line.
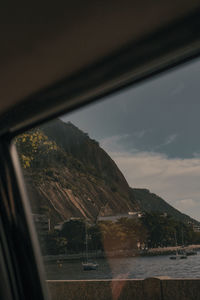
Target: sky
(151,131)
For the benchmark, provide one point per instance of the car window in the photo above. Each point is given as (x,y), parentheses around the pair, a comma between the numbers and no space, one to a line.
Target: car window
(114,186)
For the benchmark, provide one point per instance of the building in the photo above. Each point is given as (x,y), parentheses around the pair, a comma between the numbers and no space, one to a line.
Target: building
(115,218)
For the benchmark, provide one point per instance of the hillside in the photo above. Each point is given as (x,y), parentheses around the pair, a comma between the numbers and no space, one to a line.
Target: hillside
(150,202)
(70,175)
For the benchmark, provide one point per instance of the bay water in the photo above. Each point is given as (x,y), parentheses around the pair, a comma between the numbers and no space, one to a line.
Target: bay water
(126,267)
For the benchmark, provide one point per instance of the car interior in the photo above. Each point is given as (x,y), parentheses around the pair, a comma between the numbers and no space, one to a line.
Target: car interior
(57,57)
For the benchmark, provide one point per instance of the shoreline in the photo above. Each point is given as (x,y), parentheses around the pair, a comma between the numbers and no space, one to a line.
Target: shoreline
(170,250)
(190,249)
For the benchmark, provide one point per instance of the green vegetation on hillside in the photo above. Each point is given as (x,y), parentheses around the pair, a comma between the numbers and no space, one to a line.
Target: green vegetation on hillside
(152,203)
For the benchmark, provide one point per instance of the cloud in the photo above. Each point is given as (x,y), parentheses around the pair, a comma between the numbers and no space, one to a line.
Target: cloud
(187,204)
(175,180)
(114,142)
(141,133)
(120,142)
(170,139)
(196,154)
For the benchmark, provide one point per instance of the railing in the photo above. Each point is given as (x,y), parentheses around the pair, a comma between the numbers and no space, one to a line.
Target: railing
(125,289)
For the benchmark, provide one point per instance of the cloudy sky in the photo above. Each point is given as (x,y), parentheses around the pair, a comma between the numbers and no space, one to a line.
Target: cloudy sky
(152,132)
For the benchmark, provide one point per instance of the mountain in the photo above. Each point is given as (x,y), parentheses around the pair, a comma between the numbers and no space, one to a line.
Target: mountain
(150,202)
(70,175)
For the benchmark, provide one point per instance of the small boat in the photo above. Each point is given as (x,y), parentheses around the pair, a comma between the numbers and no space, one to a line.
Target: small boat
(88,265)
(178,256)
(181,255)
(191,252)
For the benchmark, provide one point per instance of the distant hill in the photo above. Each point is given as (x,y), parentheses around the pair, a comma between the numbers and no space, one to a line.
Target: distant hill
(150,202)
(70,175)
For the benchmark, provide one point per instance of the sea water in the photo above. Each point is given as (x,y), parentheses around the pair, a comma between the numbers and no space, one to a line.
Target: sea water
(127,267)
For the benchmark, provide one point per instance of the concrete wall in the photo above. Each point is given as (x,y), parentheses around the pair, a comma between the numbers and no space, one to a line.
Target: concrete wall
(148,289)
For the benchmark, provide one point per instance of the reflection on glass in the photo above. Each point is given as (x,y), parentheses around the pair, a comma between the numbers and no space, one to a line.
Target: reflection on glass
(114,187)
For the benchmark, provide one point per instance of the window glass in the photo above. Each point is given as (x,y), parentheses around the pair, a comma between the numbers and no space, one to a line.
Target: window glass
(114,187)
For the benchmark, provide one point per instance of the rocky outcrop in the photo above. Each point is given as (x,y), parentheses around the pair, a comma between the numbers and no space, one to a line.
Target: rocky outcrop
(75,179)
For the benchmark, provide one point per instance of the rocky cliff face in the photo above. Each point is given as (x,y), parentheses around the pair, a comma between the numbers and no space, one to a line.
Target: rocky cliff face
(69,175)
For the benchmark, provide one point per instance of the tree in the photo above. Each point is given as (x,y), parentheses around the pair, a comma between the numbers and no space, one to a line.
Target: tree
(161,231)
(34,148)
(134,231)
(95,241)
(74,232)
